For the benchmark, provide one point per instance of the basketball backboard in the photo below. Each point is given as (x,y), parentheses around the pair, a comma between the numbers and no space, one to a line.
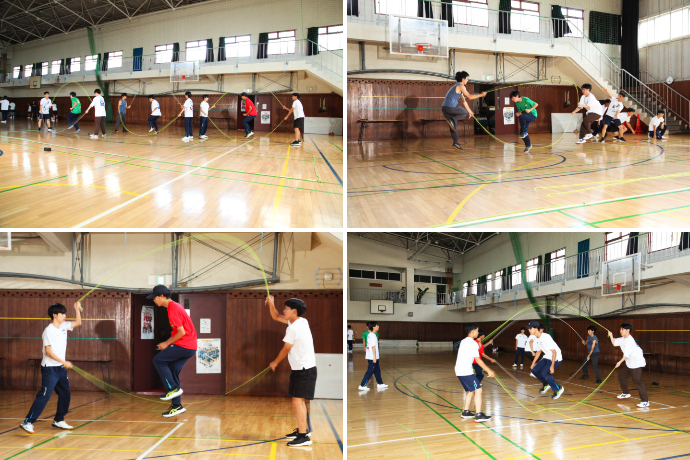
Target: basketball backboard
(381,307)
(418,36)
(622,275)
(35,82)
(470,303)
(5,241)
(184,71)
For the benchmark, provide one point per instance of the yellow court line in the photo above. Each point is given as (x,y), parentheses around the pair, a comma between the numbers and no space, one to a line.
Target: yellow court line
(673,215)
(274,446)
(279,196)
(608,183)
(68,319)
(131,450)
(78,185)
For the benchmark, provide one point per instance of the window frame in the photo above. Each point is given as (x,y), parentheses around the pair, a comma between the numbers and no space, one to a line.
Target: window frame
(457,4)
(112,59)
(532,267)
(570,19)
(160,54)
(557,261)
(237,46)
(282,41)
(409,9)
(523,14)
(498,278)
(328,33)
(52,66)
(475,283)
(613,242)
(27,70)
(16,70)
(516,271)
(75,60)
(196,50)
(675,241)
(90,59)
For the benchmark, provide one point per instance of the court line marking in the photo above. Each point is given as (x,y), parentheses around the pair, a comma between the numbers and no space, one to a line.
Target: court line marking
(160,441)
(337,437)
(279,195)
(122,205)
(274,447)
(326,160)
(613,393)
(673,215)
(47,419)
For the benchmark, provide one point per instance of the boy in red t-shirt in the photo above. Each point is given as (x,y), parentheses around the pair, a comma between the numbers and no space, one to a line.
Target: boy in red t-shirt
(477,368)
(250,113)
(175,351)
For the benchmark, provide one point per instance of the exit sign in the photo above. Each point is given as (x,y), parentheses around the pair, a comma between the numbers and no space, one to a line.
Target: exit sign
(161,279)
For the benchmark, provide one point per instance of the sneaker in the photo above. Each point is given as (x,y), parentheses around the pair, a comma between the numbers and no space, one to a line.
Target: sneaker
(598,381)
(171,394)
(544,389)
(623,396)
(588,136)
(114,131)
(520,366)
(361,388)
(295,144)
(523,135)
(294,434)
(527,149)
(300,441)
(156,132)
(622,139)
(584,377)
(93,136)
(173,411)
(28,427)
(482,417)
(381,385)
(150,130)
(457,146)
(532,375)
(581,141)
(558,393)
(63,425)
(643,404)
(250,134)
(39,130)
(515,365)
(602,140)
(103,136)
(186,139)
(77,131)
(597,136)
(467,414)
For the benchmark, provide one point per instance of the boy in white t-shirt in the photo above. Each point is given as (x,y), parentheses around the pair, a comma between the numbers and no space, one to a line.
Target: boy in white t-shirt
(54,368)
(547,366)
(594,112)
(298,109)
(188,110)
(520,344)
(203,117)
(634,364)
(5,108)
(657,126)
(350,338)
(99,113)
(372,355)
(44,113)
(13,113)
(155,113)
(54,116)
(624,120)
(468,352)
(299,348)
(611,114)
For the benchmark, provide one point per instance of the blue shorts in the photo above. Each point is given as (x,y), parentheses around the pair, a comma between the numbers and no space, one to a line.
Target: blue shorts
(469,382)
(607,120)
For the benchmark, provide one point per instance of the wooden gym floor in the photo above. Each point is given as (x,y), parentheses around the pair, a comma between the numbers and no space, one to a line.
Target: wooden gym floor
(149,181)
(423,391)
(427,183)
(123,427)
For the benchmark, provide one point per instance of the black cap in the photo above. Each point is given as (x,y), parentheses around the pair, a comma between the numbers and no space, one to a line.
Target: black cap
(159,290)
(244,94)
(531,324)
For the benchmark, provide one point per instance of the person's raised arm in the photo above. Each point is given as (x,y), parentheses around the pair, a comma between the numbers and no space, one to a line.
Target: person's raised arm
(77,309)
(272,310)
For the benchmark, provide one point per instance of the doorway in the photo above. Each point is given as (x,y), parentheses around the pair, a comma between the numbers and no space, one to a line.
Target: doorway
(144,375)
(242,109)
(264,105)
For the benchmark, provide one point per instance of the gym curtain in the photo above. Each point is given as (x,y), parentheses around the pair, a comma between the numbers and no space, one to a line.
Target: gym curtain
(104,64)
(353,7)
(424,9)
(176,52)
(209,50)
(504,17)
(221,49)
(630,58)
(560,25)
(263,46)
(312,41)
(447,12)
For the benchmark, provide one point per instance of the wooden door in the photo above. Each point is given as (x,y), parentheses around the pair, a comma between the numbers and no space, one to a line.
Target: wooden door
(264,104)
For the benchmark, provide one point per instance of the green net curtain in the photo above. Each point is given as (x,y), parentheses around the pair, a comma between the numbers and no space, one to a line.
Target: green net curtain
(263,46)
(604,28)
(221,49)
(312,41)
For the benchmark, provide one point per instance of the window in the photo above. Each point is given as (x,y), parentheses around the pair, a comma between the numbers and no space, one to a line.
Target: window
(532,268)
(355,273)
(238,46)
(676,24)
(642,34)
(394,277)
(75,65)
(662,25)
(663,240)
(489,283)
(515,273)
(558,262)
(55,67)
(382,275)
(465,286)
(163,53)
(471,12)
(525,16)
(331,37)
(90,62)
(474,286)
(114,59)
(44,68)
(196,51)
(616,244)
(16,71)
(401,7)
(576,21)
(368,274)
(497,281)
(281,42)
(27,70)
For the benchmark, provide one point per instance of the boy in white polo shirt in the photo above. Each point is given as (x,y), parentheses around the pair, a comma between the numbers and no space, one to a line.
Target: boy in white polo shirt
(467,353)
(634,364)
(299,348)
(44,114)
(99,121)
(54,368)
(594,112)
(372,355)
(13,106)
(5,108)
(350,338)
(547,366)
(520,343)
(657,126)
(298,109)
(188,110)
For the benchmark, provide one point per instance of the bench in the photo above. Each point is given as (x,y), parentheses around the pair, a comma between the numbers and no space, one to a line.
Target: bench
(649,364)
(464,123)
(364,122)
(677,358)
(36,363)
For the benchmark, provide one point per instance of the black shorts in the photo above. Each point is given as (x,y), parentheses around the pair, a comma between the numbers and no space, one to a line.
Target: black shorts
(303,383)
(606,121)
(617,123)
(45,116)
(299,123)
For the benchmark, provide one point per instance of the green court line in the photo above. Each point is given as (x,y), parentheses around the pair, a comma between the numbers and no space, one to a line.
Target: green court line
(642,214)
(188,437)
(444,418)
(578,219)
(447,166)
(335,145)
(58,436)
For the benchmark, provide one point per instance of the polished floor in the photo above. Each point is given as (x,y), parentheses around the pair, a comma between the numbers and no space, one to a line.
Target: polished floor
(124,427)
(159,181)
(427,183)
(417,416)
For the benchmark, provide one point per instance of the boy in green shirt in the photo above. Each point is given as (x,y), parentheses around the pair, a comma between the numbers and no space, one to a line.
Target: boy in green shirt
(527,113)
(74,111)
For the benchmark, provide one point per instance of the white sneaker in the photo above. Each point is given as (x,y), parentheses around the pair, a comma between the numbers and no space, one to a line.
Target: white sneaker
(520,366)
(382,385)
(93,136)
(532,375)
(62,425)
(186,139)
(361,388)
(28,427)
(643,404)
(623,396)
(151,130)
(514,365)
(251,134)
(588,136)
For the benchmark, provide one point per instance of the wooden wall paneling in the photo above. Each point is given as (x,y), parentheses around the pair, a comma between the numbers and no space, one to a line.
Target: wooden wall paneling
(310,103)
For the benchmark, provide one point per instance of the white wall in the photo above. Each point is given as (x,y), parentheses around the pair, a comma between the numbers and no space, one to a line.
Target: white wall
(671,58)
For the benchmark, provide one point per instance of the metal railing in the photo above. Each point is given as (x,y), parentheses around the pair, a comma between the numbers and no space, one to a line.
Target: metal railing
(327,60)
(676,103)
(365,295)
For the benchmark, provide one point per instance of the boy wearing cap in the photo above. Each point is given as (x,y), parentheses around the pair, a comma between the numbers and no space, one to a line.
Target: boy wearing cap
(175,351)
(552,359)
(467,353)
(299,348)
(249,114)
(634,364)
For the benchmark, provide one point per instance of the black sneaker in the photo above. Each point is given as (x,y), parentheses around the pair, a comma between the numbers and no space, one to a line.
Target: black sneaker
(173,410)
(482,417)
(621,139)
(467,414)
(527,149)
(598,381)
(602,140)
(294,434)
(295,144)
(300,441)
(457,146)
(584,377)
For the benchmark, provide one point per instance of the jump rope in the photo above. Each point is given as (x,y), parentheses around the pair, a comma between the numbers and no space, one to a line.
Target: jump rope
(241,244)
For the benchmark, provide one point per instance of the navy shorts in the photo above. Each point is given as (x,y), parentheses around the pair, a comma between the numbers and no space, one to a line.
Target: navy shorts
(469,382)
(45,116)
(617,123)
(607,120)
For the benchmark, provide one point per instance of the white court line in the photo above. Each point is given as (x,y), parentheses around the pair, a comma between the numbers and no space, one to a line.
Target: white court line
(613,393)
(507,426)
(120,206)
(101,420)
(159,442)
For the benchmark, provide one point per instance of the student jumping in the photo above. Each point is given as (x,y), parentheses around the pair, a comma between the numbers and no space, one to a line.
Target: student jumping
(74,111)
(593,356)
(468,352)
(250,113)
(155,114)
(372,356)
(547,366)
(527,113)
(450,108)
(634,364)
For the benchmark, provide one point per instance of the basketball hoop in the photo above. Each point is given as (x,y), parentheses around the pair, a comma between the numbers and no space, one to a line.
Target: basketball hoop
(421,47)
(616,286)
(467,308)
